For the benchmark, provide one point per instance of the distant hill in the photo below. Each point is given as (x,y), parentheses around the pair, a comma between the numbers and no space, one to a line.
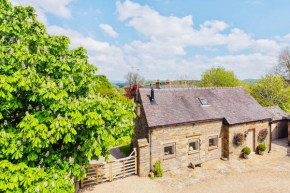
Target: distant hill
(251,81)
(147,82)
(119,83)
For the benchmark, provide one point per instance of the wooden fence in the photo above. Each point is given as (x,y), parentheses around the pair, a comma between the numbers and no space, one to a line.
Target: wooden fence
(108,171)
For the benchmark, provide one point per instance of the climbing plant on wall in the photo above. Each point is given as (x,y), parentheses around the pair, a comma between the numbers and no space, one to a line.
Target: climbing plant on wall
(52,119)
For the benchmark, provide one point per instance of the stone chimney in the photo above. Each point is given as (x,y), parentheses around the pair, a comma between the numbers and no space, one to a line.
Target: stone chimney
(184,83)
(167,82)
(158,84)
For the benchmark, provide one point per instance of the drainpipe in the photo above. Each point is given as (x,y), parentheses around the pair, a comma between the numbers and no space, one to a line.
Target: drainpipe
(270,147)
(150,142)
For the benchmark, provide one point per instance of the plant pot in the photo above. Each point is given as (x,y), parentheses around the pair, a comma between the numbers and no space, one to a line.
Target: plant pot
(261,152)
(246,156)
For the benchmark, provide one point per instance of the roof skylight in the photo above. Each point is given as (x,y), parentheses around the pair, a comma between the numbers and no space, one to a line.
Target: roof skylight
(203,101)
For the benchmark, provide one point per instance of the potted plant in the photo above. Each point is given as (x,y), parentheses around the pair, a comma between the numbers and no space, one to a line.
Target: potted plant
(261,148)
(246,152)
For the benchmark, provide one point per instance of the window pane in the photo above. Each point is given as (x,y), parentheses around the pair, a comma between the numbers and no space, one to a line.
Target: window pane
(169,149)
(193,145)
(213,141)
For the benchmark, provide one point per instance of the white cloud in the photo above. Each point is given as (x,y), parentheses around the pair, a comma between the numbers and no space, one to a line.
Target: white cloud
(109,30)
(180,33)
(163,53)
(57,7)
(108,58)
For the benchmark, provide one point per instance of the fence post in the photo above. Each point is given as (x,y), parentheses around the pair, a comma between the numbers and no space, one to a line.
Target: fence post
(82,184)
(124,169)
(111,170)
(135,152)
(97,175)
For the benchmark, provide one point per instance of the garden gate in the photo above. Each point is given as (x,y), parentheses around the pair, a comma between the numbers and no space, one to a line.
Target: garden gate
(108,171)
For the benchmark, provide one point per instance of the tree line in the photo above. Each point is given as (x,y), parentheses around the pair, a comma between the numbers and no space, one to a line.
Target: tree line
(272,89)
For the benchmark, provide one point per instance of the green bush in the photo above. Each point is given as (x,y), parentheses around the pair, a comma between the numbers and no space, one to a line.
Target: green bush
(158,171)
(246,150)
(261,147)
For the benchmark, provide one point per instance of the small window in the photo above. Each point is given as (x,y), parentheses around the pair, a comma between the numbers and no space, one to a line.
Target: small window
(193,145)
(203,101)
(213,141)
(169,149)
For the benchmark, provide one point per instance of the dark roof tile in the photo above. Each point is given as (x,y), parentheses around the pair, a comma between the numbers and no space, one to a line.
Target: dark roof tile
(182,105)
(276,113)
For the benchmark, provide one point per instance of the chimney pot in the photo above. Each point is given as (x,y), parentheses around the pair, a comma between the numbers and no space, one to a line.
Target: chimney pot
(184,83)
(158,84)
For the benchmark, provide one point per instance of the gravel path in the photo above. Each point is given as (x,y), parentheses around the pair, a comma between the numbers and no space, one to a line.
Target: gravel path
(262,181)
(133,184)
(258,181)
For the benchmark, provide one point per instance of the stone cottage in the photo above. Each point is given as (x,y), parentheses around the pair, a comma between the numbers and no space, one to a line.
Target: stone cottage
(279,124)
(187,126)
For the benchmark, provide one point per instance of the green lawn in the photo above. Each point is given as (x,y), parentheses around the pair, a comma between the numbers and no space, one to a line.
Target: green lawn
(126,149)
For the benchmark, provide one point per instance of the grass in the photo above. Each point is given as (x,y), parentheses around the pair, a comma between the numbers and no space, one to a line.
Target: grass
(126,149)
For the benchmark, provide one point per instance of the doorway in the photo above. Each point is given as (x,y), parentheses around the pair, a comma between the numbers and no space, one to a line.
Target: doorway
(251,139)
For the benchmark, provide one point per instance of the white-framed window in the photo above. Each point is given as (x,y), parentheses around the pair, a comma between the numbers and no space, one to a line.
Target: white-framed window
(193,145)
(169,149)
(213,141)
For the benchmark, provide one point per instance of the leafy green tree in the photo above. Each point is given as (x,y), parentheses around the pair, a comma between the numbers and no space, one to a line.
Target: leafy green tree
(272,90)
(109,90)
(218,77)
(105,82)
(52,118)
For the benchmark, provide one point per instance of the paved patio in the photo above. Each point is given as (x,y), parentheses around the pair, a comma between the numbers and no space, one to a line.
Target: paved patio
(267,173)
(277,160)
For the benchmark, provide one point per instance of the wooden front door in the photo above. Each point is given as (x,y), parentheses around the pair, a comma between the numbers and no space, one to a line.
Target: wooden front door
(251,139)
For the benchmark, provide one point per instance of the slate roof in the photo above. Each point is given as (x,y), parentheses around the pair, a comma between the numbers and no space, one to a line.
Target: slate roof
(182,105)
(276,113)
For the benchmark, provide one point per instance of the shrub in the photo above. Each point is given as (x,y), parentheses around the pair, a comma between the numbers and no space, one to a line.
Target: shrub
(261,147)
(158,171)
(246,150)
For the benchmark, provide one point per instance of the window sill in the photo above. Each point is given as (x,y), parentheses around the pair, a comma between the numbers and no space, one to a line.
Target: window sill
(169,157)
(192,152)
(212,148)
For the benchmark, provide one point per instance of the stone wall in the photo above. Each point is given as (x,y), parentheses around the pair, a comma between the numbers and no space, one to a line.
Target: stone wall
(235,151)
(141,130)
(180,136)
(143,157)
(225,141)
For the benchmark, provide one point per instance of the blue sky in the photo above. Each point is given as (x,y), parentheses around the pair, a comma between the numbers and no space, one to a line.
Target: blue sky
(170,39)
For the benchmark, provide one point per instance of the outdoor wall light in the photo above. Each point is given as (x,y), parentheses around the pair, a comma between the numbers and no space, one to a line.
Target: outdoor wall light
(246,133)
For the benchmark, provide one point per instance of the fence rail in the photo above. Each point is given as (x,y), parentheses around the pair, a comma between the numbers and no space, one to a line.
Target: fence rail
(108,171)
